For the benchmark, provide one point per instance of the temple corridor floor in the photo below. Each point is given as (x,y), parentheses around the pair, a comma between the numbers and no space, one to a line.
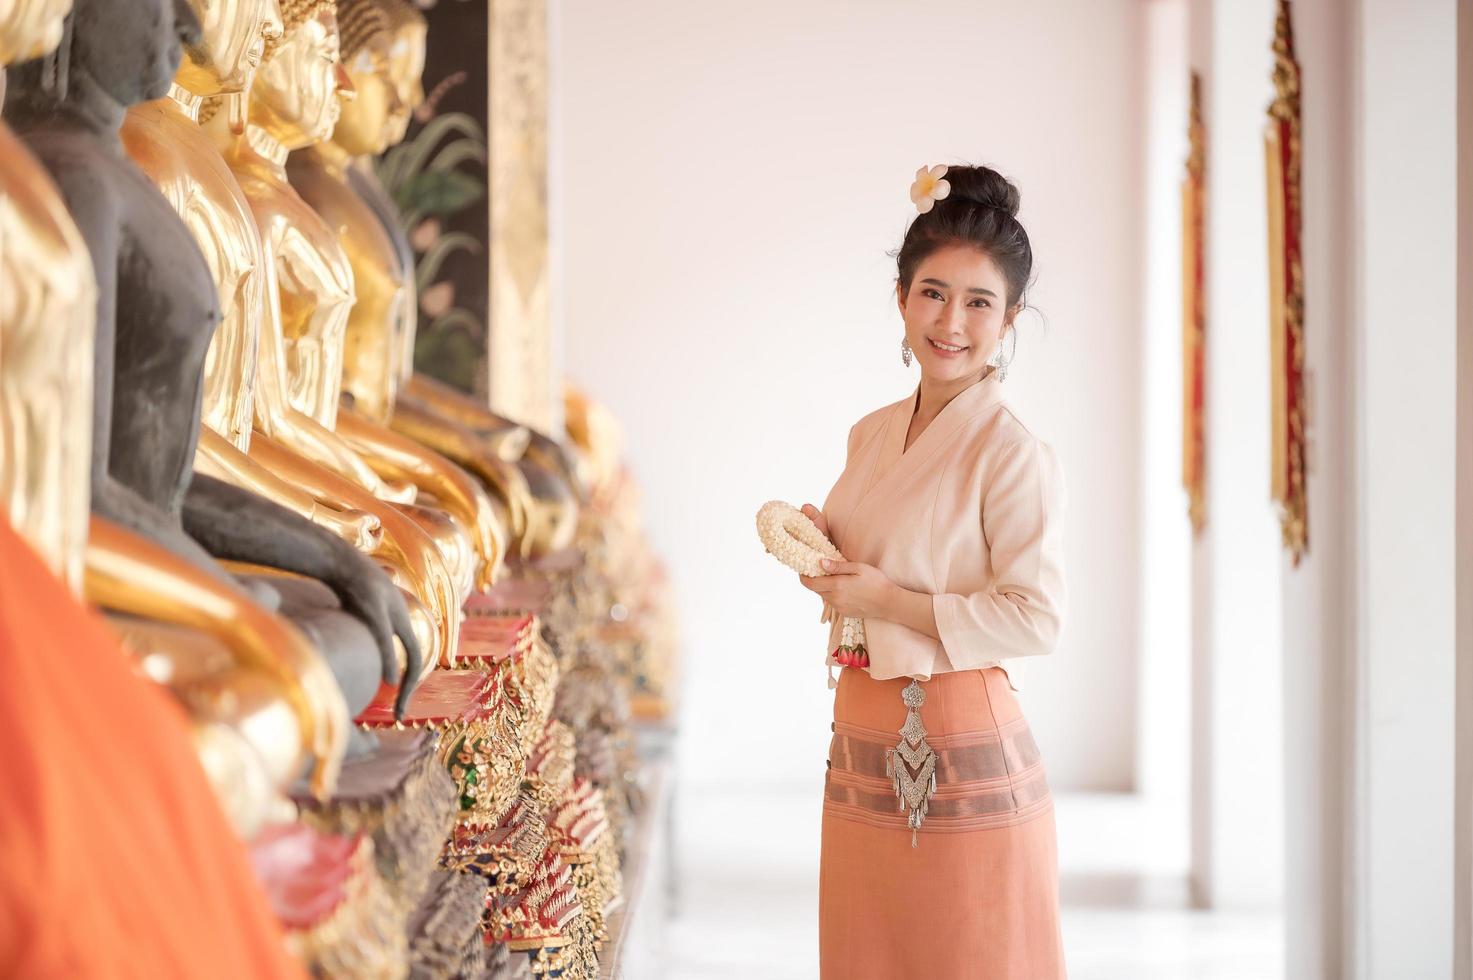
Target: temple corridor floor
(745,884)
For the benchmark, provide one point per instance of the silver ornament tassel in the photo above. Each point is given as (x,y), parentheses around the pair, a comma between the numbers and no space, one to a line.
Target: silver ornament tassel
(913,774)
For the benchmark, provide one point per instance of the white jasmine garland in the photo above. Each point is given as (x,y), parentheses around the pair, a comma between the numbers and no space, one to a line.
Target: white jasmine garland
(793,539)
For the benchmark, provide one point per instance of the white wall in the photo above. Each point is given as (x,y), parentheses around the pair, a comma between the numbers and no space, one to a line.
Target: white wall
(730,179)
(1463,813)
(1407,288)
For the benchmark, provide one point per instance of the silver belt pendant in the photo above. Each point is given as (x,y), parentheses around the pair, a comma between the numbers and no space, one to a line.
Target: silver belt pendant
(913,774)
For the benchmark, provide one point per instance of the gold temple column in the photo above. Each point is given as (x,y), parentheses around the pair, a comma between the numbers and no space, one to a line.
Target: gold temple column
(520,376)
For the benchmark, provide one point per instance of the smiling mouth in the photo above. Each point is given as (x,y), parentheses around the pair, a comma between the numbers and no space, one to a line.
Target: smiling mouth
(936,345)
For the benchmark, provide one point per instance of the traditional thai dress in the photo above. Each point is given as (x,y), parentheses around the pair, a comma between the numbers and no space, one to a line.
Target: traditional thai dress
(970,514)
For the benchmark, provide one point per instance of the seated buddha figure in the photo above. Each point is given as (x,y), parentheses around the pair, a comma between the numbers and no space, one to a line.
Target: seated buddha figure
(400,68)
(163,137)
(48,310)
(165,140)
(385,297)
(293,101)
(493,460)
(155,313)
(494,449)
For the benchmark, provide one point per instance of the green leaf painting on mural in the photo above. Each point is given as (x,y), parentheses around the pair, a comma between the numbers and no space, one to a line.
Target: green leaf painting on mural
(453,343)
(434,177)
(445,245)
(400,166)
(438,193)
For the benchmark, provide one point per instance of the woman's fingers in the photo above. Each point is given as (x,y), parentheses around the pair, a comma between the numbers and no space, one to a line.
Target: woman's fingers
(841,567)
(816,583)
(816,516)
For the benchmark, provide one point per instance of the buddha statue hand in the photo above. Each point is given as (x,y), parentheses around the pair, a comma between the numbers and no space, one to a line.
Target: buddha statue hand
(372,597)
(238,525)
(124,506)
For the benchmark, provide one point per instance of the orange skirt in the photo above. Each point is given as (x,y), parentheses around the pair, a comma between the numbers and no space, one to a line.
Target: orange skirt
(978,897)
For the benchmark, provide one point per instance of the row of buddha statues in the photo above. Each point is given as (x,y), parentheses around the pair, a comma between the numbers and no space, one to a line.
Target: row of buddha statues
(409,633)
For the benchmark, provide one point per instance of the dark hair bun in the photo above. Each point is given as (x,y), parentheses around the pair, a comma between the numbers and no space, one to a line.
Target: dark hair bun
(984,186)
(981,211)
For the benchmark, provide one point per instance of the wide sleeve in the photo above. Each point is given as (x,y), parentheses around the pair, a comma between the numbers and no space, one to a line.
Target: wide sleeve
(1022,522)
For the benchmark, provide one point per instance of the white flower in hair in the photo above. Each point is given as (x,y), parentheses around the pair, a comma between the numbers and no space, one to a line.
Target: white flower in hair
(929,187)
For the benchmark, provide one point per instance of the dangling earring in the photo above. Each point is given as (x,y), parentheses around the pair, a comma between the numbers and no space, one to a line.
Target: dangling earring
(1001,364)
(905,352)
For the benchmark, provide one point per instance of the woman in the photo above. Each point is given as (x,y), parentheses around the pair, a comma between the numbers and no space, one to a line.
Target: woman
(939,856)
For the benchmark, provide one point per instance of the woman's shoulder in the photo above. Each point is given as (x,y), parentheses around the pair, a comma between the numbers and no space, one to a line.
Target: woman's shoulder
(870,424)
(1009,429)
(1004,435)
(876,419)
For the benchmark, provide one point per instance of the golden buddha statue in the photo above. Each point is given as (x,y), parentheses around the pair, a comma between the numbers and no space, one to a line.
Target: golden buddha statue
(48,310)
(309,294)
(407,33)
(165,140)
(409,36)
(383,310)
(47,301)
(596,436)
(492,459)
(547,481)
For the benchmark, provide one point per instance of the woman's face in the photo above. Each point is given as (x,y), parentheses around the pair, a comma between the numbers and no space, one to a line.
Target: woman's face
(954,313)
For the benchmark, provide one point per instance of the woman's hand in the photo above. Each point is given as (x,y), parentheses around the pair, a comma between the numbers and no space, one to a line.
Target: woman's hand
(816,516)
(852,588)
(819,521)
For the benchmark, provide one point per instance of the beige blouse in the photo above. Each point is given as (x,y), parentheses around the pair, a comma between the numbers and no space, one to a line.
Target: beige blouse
(971,514)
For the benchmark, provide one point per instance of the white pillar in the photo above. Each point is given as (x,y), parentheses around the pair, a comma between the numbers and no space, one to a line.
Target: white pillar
(1163,751)
(1463,812)
(1402,891)
(1318,601)
(1237,858)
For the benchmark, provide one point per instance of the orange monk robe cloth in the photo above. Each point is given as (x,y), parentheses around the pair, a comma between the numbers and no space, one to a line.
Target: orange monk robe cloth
(115,858)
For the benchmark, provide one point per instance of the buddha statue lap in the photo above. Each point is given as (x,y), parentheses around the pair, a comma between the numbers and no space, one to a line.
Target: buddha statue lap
(552,496)
(155,313)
